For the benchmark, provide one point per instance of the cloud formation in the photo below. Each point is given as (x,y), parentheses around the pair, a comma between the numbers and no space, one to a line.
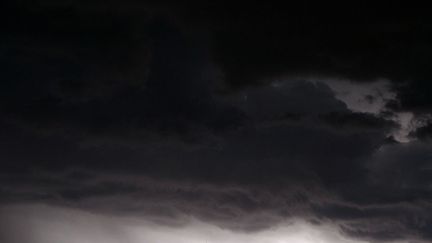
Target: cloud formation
(241,117)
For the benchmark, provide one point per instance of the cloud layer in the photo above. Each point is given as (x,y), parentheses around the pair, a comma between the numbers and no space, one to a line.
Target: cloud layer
(241,117)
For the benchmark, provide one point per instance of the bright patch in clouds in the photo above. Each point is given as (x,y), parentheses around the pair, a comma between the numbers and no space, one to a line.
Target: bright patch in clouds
(370,97)
(46,224)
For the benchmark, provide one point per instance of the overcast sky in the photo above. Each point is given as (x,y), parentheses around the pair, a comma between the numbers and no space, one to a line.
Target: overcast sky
(160,122)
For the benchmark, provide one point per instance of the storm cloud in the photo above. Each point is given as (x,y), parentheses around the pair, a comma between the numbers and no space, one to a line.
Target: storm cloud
(250,122)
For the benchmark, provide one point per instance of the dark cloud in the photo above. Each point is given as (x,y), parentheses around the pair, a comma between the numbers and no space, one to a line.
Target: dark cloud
(288,97)
(261,172)
(163,110)
(423,132)
(358,120)
(255,43)
(100,72)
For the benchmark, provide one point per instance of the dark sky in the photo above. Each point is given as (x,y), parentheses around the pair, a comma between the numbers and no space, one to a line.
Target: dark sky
(242,116)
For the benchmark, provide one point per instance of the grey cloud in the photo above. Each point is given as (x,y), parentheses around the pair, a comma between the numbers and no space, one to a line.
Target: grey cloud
(358,120)
(247,178)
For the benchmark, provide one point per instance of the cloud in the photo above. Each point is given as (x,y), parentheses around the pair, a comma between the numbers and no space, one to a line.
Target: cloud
(423,132)
(358,120)
(62,225)
(245,179)
(241,117)
(118,75)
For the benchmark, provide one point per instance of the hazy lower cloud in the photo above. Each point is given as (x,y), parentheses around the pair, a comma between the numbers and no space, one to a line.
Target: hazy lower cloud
(60,225)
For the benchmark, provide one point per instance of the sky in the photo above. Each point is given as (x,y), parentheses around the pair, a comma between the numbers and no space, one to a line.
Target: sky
(160,122)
